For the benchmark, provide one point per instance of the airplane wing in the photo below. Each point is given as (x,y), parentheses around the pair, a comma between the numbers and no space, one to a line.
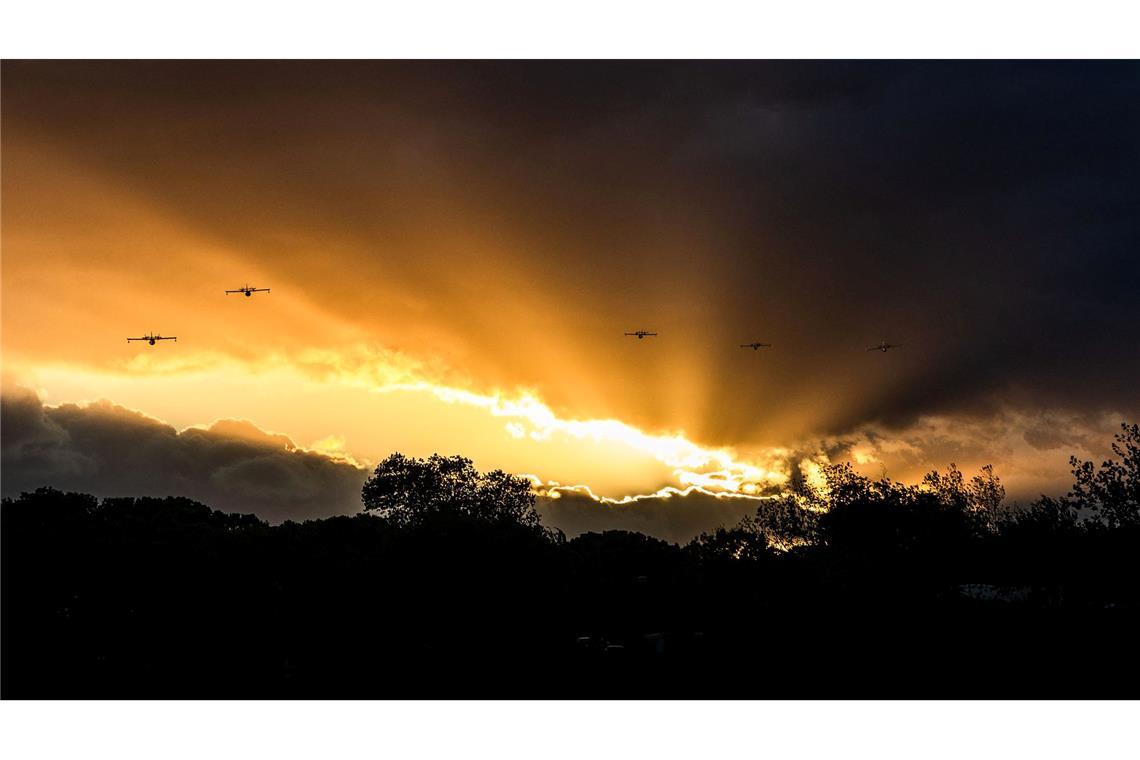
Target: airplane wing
(261,290)
(874,348)
(232,291)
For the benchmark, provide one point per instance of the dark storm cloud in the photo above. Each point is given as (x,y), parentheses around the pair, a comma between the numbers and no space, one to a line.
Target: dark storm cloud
(981,213)
(107,450)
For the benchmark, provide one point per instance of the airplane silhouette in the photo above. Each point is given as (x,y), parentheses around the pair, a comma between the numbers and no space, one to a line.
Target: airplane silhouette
(249,291)
(151,338)
(641,334)
(884,346)
(755,346)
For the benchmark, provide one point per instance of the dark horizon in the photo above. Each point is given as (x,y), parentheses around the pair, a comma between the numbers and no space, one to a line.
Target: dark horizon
(858,588)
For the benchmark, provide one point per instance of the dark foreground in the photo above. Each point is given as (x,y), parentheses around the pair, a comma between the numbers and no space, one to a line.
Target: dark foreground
(166,598)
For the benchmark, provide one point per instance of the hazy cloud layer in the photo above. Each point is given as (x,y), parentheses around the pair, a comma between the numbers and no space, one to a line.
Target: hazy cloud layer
(1029,451)
(673,518)
(107,450)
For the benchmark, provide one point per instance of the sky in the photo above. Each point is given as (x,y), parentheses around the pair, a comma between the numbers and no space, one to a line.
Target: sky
(454,250)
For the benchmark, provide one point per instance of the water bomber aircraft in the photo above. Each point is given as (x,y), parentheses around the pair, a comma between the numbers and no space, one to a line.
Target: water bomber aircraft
(884,346)
(152,338)
(248,291)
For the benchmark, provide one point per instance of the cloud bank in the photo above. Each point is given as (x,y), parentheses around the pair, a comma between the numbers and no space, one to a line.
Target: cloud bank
(674,517)
(108,450)
(233,465)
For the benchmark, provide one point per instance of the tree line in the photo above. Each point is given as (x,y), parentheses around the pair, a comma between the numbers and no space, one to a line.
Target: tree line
(447,584)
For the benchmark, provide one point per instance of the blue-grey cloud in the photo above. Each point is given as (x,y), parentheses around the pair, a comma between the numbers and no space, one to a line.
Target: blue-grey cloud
(108,450)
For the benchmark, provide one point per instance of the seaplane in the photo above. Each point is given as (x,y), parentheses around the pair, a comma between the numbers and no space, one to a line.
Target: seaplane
(884,346)
(152,338)
(248,291)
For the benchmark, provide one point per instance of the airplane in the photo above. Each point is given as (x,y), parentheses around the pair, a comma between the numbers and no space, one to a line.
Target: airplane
(640,333)
(755,346)
(151,339)
(248,290)
(884,346)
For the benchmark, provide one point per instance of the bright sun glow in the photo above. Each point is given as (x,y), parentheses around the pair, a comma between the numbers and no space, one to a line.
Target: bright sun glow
(713,471)
(371,409)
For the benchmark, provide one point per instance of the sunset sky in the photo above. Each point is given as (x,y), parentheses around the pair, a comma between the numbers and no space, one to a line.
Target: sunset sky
(455,249)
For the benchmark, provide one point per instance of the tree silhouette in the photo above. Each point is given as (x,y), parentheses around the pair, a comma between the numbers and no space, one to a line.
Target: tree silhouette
(791,520)
(1112,491)
(409,491)
(746,541)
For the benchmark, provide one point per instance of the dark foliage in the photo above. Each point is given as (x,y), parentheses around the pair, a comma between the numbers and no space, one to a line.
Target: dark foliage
(1113,490)
(408,491)
(448,586)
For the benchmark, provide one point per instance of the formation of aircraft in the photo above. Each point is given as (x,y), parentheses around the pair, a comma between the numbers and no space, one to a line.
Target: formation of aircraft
(151,338)
(248,291)
(883,346)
